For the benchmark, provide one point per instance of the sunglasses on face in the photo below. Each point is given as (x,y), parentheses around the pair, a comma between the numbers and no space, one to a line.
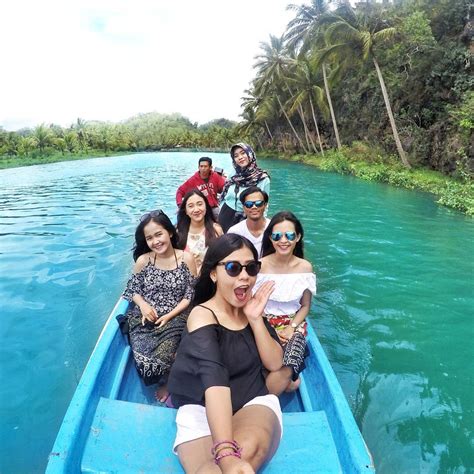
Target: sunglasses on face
(276,236)
(234,269)
(249,204)
(155,213)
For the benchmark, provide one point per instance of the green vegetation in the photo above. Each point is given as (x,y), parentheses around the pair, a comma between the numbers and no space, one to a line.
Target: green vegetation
(364,163)
(145,132)
(395,75)
(391,79)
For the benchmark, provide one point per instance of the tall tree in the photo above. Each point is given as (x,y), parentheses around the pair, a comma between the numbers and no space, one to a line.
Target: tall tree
(353,35)
(43,137)
(308,92)
(305,31)
(272,70)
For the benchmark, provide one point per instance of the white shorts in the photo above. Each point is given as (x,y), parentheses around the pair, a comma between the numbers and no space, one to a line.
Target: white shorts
(191,420)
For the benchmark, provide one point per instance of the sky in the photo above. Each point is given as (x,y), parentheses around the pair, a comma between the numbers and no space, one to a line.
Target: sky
(112,59)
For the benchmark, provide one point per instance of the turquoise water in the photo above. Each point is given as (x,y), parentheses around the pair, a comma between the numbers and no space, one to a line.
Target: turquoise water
(394,309)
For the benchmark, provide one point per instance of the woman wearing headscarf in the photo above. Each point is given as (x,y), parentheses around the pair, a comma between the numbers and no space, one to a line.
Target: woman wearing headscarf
(247,173)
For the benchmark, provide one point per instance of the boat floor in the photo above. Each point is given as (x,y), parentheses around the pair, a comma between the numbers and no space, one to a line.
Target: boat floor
(139,437)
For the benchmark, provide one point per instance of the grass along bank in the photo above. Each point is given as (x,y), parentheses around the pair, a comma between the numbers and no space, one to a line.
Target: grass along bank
(17,161)
(358,161)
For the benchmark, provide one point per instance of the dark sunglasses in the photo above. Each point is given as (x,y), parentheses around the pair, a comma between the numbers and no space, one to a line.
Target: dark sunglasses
(276,236)
(155,213)
(234,268)
(250,204)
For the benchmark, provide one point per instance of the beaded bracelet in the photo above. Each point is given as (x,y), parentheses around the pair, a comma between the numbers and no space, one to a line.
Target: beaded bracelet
(235,453)
(233,444)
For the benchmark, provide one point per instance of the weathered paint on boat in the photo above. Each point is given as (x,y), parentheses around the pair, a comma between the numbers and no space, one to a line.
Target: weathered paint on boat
(114,424)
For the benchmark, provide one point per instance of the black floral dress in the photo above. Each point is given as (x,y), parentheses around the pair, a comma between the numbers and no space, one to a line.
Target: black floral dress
(154,347)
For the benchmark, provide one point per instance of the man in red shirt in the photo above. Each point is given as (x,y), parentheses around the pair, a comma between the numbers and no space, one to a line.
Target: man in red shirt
(207,181)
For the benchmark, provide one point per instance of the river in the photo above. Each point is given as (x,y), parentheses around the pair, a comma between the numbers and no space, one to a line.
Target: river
(394,309)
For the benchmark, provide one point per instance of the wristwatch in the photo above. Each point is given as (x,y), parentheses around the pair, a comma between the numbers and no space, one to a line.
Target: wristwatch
(294,325)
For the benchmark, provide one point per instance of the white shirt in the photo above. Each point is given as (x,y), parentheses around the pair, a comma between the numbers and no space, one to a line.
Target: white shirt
(242,229)
(289,288)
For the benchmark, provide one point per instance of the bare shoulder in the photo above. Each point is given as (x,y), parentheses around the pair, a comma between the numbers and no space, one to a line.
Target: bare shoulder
(266,264)
(218,229)
(304,266)
(199,317)
(141,262)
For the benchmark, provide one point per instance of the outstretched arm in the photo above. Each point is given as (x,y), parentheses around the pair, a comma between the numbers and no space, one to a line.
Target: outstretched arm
(219,417)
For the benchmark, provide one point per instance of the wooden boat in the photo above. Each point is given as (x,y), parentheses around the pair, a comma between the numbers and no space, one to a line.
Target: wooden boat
(114,424)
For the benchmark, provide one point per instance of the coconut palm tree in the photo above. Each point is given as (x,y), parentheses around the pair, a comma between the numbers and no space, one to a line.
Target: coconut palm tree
(42,136)
(251,103)
(354,35)
(305,31)
(272,72)
(308,92)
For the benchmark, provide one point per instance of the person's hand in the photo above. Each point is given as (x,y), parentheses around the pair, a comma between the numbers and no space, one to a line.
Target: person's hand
(234,465)
(286,334)
(254,307)
(148,313)
(162,320)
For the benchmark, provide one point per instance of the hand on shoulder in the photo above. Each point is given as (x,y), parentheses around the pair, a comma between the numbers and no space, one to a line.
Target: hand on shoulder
(199,317)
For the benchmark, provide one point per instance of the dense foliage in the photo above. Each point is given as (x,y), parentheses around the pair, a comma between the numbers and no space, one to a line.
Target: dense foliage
(145,132)
(322,83)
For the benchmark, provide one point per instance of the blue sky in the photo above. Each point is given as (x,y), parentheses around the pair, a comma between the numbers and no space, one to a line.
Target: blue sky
(111,59)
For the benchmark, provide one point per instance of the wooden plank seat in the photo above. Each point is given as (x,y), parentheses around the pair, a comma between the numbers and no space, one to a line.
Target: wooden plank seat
(130,437)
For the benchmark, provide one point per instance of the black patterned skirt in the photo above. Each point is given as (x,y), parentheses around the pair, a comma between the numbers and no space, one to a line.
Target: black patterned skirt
(154,348)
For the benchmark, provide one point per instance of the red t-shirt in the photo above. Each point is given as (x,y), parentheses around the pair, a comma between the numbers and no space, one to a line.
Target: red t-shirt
(210,189)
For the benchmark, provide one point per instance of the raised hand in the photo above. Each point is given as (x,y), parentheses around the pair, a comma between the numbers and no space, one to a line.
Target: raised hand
(253,310)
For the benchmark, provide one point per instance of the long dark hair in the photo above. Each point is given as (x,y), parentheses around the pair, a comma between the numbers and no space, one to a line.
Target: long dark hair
(160,218)
(184,221)
(219,248)
(267,246)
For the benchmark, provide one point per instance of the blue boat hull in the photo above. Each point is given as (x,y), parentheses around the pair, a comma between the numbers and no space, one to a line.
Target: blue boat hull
(114,424)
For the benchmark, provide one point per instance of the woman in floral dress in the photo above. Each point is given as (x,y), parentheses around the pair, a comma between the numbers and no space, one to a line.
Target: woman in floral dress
(161,288)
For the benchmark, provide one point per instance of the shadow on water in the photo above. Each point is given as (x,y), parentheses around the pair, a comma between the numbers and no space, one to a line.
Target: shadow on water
(393,310)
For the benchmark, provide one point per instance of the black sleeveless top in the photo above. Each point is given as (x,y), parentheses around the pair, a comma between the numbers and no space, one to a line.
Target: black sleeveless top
(213,355)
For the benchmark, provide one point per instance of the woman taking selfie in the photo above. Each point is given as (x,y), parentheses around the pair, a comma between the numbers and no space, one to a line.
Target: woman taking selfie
(227,421)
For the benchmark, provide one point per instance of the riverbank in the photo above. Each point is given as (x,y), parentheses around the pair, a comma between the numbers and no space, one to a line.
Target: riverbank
(366,164)
(20,161)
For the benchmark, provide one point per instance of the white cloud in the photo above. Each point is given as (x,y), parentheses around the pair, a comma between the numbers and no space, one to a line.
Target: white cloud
(108,60)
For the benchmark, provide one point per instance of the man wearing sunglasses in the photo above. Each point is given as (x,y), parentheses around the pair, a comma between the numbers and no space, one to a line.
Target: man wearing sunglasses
(254,201)
(209,182)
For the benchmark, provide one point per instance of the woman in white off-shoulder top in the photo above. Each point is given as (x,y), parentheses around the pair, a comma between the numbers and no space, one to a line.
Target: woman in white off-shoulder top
(295,283)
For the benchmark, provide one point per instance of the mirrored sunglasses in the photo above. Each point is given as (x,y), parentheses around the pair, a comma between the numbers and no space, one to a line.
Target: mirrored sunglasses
(234,269)
(276,236)
(155,213)
(250,204)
